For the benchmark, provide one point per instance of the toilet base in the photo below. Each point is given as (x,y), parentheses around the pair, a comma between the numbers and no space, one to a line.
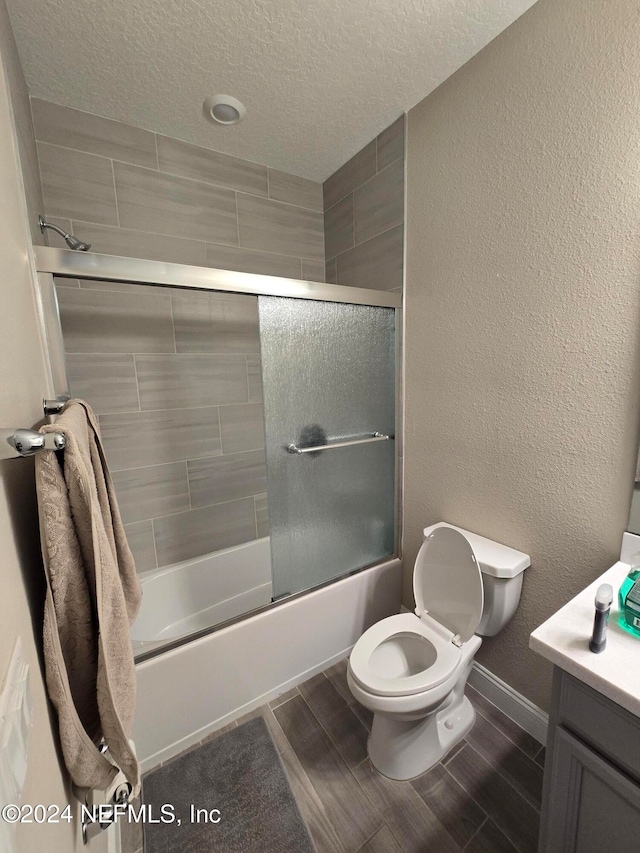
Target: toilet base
(401,749)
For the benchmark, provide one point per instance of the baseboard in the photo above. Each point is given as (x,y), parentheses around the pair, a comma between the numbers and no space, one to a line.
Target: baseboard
(513,704)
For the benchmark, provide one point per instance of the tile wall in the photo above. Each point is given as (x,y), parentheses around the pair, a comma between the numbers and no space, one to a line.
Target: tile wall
(364,215)
(175,380)
(135,193)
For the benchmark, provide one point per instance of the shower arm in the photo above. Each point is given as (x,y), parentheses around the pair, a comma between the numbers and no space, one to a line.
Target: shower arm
(71,241)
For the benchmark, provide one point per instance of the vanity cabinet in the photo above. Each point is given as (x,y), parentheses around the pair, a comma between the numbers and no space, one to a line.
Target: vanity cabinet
(591,795)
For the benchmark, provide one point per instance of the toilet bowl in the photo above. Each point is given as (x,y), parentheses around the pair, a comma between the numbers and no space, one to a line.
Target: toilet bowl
(411,669)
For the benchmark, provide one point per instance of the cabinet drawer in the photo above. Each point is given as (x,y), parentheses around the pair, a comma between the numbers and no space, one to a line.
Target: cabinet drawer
(612,730)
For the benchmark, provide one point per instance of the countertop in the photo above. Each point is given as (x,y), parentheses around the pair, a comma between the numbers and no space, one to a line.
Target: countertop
(564,640)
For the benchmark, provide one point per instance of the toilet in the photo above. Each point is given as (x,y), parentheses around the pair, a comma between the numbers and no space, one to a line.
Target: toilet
(411,669)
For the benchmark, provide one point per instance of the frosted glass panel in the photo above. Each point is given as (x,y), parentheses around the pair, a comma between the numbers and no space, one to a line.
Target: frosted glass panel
(328,373)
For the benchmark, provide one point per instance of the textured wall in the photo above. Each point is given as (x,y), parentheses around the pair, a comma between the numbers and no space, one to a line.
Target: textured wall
(21,110)
(523,306)
(131,192)
(175,380)
(364,215)
(319,80)
(21,391)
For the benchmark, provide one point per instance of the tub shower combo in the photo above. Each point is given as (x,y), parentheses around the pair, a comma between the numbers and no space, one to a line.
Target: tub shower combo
(251,426)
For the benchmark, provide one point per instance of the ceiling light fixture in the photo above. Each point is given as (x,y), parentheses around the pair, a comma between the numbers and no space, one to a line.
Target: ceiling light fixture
(223,109)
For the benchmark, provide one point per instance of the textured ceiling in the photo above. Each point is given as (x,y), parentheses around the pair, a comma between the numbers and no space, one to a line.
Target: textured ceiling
(319,79)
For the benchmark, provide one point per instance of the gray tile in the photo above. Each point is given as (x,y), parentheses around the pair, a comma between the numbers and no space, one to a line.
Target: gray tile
(335,716)
(312,270)
(77,185)
(284,697)
(272,226)
(126,287)
(254,370)
(517,819)
(262,515)
(524,741)
(382,842)
(517,768)
(330,271)
(107,382)
(145,493)
(294,190)
(191,380)
(200,531)
(379,204)
(346,806)
(376,264)
(247,260)
(413,824)
(452,805)
(311,807)
(154,438)
(363,714)
(391,143)
(227,478)
(489,839)
(93,134)
(178,207)
(216,323)
(241,427)
(204,164)
(354,172)
(140,539)
(337,675)
(454,751)
(103,321)
(339,227)
(128,243)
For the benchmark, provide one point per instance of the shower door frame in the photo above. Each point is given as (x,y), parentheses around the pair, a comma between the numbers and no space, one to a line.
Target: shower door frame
(90,265)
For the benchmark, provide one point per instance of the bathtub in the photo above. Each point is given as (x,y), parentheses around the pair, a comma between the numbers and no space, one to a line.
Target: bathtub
(185,693)
(186,597)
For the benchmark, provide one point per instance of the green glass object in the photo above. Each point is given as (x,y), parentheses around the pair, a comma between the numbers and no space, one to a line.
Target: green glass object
(629,602)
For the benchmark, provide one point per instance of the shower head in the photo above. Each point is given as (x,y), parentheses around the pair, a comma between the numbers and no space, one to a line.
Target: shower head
(78,245)
(71,241)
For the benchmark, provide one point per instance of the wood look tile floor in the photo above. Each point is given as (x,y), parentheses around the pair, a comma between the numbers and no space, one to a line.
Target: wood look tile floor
(483,798)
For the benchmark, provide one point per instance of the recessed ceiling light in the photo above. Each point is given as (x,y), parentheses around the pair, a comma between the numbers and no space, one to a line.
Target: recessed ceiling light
(223,109)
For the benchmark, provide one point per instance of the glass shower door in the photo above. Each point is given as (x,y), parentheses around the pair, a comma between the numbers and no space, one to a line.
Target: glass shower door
(328,372)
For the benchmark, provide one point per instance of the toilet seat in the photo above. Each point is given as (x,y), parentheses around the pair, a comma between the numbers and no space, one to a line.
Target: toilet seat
(447,656)
(408,654)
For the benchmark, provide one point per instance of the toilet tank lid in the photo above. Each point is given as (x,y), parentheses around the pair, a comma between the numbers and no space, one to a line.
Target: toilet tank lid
(495,559)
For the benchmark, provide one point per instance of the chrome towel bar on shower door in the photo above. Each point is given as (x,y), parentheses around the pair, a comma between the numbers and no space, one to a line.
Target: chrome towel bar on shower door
(375,436)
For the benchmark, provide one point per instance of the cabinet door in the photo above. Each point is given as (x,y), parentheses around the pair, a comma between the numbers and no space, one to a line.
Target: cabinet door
(592,805)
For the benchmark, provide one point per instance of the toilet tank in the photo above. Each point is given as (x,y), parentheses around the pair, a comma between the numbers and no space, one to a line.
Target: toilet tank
(502,571)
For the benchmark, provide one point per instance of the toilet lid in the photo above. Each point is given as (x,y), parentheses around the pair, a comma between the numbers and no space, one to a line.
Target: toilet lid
(447,582)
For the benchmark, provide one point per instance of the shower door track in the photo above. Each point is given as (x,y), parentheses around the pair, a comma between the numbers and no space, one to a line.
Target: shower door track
(138,271)
(91,265)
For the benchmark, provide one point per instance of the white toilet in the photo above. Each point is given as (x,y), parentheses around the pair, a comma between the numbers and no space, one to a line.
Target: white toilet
(411,670)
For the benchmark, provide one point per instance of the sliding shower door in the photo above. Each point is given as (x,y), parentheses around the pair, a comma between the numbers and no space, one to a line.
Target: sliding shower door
(328,372)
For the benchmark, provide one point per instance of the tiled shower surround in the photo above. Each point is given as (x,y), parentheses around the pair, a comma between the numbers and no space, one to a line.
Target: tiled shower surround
(364,215)
(135,193)
(174,377)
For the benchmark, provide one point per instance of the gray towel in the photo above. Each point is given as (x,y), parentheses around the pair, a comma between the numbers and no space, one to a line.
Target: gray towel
(93,596)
